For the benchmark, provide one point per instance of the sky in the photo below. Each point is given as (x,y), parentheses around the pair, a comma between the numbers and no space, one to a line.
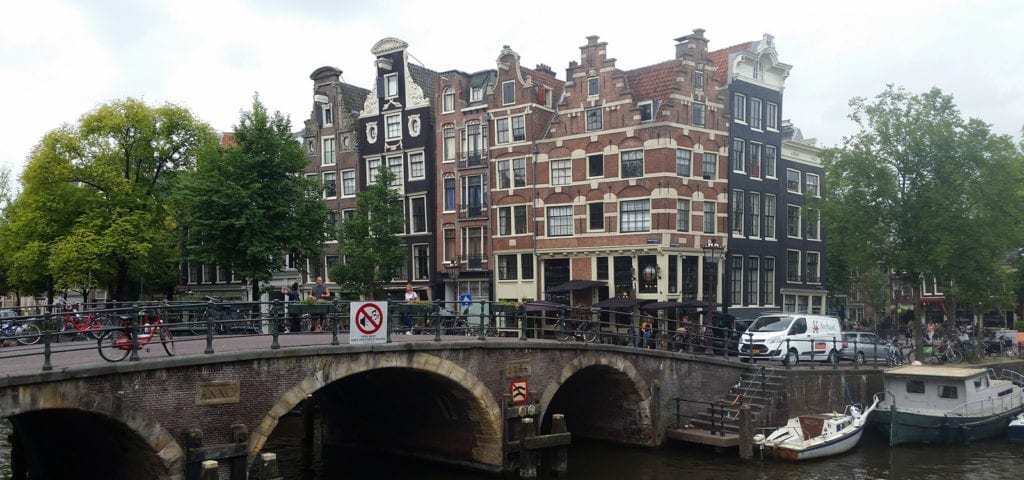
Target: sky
(60,59)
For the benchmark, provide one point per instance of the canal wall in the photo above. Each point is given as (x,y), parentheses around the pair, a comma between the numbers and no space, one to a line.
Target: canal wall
(824,390)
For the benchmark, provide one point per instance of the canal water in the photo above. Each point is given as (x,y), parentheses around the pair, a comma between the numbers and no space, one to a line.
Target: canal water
(994,459)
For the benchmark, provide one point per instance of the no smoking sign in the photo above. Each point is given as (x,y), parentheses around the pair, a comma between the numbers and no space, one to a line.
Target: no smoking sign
(368,323)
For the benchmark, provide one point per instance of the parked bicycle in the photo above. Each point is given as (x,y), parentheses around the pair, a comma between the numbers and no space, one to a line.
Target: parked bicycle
(945,352)
(74,322)
(577,325)
(687,340)
(223,318)
(118,344)
(25,333)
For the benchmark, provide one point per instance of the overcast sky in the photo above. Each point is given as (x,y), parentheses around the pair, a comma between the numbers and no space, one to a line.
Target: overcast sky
(61,58)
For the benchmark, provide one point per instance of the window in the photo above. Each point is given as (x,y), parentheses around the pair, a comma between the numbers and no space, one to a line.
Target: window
(561,172)
(471,143)
(417,167)
(736,264)
(813,269)
(698,114)
(594,119)
(769,161)
(915,386)
(329,262)
(501,130)
(420,262)
(473,242)
(332,222)
(449,194)
(814,226)
(792,180)
(507,267)
(450,251)
(504,220)
(395,165)
(683,215)
(698,80)
(327,153)
(737,212)
(560,221)
(709,166)
(635,215)
(448,100)
(473,193)
(327,114)
(646,112)
(508,92)
(753,274)
(593,86)
(632,164)
(683,162)
(348,214)
(449,143)
(330,185)
(476,94)
(393,126)
(754,213)
(518,128)
(504,173)
(391,85)
(512,173)
(595,216)
(512,220)
(768,293)
(755,160)
(769,215)
(772,116)
(348,183)
(527,266)
(812,184)
(793,221)
(519,172)
(595,165)
(755,113)
(757,70)
(372,167)
(736,155)
(709,217)
(792,265)
(418,212)
(739,108)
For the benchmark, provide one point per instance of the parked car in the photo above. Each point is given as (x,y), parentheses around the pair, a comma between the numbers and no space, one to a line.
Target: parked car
(861,347)
(792,337)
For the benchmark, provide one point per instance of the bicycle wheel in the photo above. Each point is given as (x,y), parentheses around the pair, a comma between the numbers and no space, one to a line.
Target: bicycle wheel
(954,355)
(197,325)
(114,347)
(167,340)
(29,334)
(588,331)
(99,327)
(561,333)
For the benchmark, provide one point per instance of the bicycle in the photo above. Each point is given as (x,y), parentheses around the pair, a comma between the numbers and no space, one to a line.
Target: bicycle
(25,333)
(222,318)
(118,344)
(685,340)
(577,325)
(91,324)
(945,352)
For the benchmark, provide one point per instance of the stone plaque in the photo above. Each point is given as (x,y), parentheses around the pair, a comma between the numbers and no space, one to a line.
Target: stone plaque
(517,369)
(217,393)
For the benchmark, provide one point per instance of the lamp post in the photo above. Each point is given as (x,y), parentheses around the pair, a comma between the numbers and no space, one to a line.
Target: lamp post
(452,267)
(712,253)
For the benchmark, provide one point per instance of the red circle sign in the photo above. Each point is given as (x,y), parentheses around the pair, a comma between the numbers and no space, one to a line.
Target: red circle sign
(369,318)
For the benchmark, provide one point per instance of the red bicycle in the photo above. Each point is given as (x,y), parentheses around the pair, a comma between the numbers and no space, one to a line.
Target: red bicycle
(118,344)
(92,324)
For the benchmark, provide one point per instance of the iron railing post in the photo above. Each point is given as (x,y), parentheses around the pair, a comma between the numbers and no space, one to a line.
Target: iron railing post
(47,366)
(210,314)
(274,324)
(334,324)
(438,318)
(482,334)
(135,335)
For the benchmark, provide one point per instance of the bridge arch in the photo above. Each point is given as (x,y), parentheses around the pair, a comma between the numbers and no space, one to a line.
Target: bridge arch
(484,410)
(44,413)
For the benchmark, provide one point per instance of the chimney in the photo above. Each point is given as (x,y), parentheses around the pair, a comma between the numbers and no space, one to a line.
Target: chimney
(546,70)
(694,45)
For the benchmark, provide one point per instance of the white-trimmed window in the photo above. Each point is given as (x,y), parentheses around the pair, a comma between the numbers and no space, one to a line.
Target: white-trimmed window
(631,164)
(698,114)
(501,131)
(327,152)
(560,221)
(372,167)
(595,119)
(736,155)
(812,180)
(512,173)
(769,215)
(758,69)
(393,126)
(739,108)
(595,216)
(683,215)
(595,165)
(561,172)
(396,167)
(755,160)
(646,111)
(473,194)
(519,128)
(772,116)
(737,213)
(348,183)
(476,94)
(448,100)
(710,210)
(417,215)
(736,265)
(709,166)
(508,92)
(417,166)
(755,113)
(814,226)
(449,194)
(683,162)
(813,267)
(753,274)
(327,114)
(391,85)
(448,134)
(512,220)
(793,266)
(508,267)
(330,185)
(792,180)
(754,213)
(793,221)
(593,87)
(421,261)
(770,154)
(635,215)
(768,292)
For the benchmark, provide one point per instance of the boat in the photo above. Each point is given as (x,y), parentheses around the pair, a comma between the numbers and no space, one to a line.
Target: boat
(817,435)
(948,405)
(1015,431)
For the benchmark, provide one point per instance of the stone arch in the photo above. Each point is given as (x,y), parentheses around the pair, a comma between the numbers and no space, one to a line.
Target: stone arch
(72,396)
(590,359)
(487,409)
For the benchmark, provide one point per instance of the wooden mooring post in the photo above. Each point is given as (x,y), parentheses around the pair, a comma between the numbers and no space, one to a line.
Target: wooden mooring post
(235,453)
(523,446)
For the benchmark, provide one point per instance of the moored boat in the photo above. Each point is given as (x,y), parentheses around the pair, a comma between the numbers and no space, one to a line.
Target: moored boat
(1015,431)
(949,405)
(817,435)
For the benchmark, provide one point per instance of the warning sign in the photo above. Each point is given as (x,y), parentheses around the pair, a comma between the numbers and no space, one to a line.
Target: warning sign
(368,323)
(520,394)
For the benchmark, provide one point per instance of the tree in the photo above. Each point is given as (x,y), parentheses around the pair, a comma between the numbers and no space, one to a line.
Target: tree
(934,197)
(370,241)
(247,206)
(93,207)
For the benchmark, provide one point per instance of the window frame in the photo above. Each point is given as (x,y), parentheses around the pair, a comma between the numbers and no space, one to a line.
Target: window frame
(793,272)
(769,161)
(413,227)
(649,109)
(756,120)
(794,227)
(737,155)
(683,214)
(698,115)
(508,92)
(754,213)
(593,86)
(739,108)
(709,158)
(813,188)
(559,220)
(327,115)
(754,156)
(594,119)
(421,261)
(599,157)
(561,171)
(591,218)
(448,100)
(508,267)
(635,213)
(518,131)
(813,269)
(793,183)
(771,119)
(684,155)
(710,219)
(632,163)
(450,202)
(737,215)
(327,154)
(333,182)
(391,85)
(770,206)
(448,143)
(348,182)
(413,175)
(393,126)
(502,130)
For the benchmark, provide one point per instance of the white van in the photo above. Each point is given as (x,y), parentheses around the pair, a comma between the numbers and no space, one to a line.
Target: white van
(792,337)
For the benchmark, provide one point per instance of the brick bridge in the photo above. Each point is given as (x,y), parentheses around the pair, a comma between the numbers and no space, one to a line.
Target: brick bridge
(441,400)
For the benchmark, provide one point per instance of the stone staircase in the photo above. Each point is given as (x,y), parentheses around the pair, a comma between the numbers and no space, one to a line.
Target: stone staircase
(758,389)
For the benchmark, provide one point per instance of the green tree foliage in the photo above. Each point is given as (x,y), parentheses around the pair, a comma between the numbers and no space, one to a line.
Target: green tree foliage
(247,206)
(926,193)
(93,205)
(370,242)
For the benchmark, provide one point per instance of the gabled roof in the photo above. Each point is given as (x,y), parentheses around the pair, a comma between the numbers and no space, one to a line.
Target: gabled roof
(425,78)
(653,82)
(353,97)
(721,59)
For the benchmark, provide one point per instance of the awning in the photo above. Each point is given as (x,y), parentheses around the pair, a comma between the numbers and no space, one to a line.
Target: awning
(544,306)
(574,285)
(617,303)
(662,305)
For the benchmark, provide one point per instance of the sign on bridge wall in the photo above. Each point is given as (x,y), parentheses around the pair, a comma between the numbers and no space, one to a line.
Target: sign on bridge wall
(368,323)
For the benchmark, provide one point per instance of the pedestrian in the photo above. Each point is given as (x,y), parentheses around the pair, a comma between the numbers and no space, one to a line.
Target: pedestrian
(292,295)
(319,292)
(410,296)
(646,331)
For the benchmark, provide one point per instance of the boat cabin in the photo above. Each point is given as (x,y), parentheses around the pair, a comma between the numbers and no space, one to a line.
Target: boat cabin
(924,388)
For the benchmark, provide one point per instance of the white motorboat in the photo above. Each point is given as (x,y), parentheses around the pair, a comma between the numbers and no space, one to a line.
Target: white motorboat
(817,435)
(1016,429)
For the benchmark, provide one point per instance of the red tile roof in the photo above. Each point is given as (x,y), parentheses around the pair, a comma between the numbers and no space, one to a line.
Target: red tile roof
(721,59)
(653,82)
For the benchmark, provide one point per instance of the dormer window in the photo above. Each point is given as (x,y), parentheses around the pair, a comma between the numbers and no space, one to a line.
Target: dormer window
(757,70)
(391,85)
(646,111)
(448,100)
(593,86)
(476,94)
(327,114)
(508,92)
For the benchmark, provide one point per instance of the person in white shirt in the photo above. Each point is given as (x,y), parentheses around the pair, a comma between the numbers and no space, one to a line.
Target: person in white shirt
(410,296)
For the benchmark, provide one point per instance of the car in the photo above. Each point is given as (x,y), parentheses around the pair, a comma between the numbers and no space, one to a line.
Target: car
(862,347)
(792,337)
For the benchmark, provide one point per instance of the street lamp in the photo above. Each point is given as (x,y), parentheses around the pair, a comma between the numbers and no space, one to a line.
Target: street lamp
(452,267)
(712,253)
